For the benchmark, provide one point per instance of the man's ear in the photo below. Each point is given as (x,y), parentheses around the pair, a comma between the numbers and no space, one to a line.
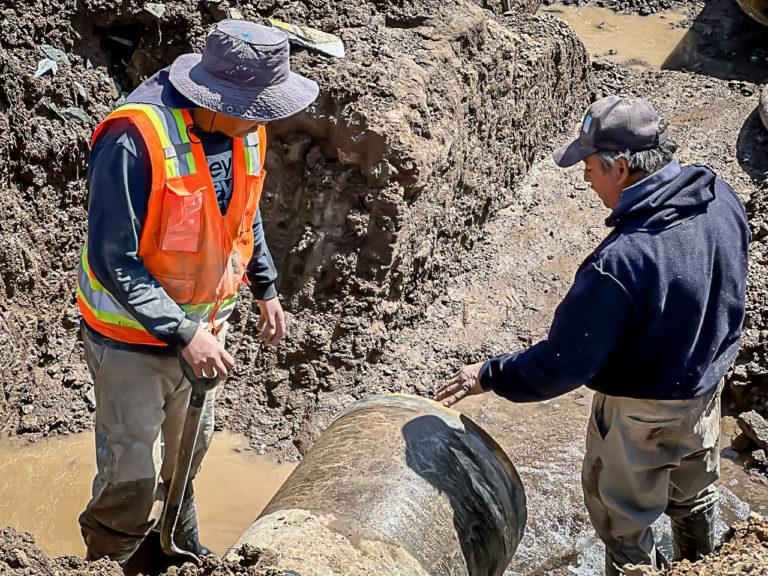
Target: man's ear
(622,167)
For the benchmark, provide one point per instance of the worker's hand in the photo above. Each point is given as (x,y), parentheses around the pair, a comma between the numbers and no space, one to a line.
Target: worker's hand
(466,382)
(271,324)
(207,356)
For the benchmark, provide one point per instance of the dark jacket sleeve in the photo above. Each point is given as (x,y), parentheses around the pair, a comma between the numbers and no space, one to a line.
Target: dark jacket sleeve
(586,327)
(119,184)
(261,272)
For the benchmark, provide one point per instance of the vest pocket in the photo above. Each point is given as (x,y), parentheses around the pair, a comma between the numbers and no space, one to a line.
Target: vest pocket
(182,215)
(181,291)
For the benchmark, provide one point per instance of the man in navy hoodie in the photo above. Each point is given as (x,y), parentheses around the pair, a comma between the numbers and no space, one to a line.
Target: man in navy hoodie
(651,323)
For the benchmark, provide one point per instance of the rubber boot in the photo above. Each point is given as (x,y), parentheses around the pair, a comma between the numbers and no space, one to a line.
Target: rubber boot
(611,568)
(187,536)
(694,536)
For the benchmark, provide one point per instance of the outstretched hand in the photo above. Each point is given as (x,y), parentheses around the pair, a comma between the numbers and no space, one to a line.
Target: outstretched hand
(466,382)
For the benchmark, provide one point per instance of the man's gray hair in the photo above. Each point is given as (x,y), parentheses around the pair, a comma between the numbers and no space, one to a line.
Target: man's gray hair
(644,161)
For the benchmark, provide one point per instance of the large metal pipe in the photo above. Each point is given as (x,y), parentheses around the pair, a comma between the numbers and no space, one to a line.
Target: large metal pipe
(396,485)
(757,9)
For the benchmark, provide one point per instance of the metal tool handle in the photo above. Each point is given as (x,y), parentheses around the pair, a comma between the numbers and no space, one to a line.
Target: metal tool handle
(178,486)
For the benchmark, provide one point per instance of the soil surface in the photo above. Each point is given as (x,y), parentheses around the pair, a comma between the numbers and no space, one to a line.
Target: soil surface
(744,551)
(19,556)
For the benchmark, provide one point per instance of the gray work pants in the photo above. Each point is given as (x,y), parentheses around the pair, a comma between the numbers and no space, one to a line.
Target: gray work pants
(645,458)
(141,403)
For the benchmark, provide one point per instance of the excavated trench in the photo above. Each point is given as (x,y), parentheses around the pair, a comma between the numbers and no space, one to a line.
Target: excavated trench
(373,194)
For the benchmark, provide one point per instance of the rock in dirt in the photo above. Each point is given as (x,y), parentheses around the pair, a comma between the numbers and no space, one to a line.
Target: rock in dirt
(46,65)
(54,53)
(763,106)
(754,426)
(155,8)
(742,443)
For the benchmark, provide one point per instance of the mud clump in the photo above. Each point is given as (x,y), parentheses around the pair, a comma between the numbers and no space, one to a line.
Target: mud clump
(419,135)
(744,551)
(253,561)
(20,556)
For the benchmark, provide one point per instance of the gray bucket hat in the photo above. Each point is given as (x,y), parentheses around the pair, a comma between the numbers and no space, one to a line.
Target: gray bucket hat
(244,71)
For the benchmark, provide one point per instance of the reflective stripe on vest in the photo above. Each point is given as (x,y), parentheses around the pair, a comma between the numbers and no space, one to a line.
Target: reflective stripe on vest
(178,160)
(106,308)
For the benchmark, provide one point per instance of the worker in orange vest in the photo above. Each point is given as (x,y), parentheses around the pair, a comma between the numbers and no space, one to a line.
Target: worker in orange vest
(174,228)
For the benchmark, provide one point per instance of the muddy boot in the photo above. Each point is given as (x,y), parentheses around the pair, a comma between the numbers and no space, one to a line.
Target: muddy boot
(611,567)
(187,536)
(694,535)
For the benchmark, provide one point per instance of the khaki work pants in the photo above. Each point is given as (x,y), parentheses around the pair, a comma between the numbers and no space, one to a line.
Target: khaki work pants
(645,458)
(141,403)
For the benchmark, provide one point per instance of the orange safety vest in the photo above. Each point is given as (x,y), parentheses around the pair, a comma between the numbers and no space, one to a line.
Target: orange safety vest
(197,255)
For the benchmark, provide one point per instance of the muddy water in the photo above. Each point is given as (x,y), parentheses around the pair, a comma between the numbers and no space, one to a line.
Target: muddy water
(44,486)
(642,41)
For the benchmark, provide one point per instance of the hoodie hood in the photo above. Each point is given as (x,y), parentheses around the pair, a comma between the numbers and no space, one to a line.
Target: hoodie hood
(665,198)
(159,91)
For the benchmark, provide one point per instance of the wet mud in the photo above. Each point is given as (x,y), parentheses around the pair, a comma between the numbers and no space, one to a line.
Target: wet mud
(725,43)
(640,7)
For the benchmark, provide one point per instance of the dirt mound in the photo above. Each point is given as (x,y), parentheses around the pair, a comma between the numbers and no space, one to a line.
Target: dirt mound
(744,551)
(20,556)
(417,137)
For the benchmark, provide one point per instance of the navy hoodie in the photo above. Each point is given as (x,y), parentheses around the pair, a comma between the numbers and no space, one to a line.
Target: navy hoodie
(656,310)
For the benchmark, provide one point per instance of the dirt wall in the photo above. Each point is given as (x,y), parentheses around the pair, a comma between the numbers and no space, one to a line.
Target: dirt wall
(419,134)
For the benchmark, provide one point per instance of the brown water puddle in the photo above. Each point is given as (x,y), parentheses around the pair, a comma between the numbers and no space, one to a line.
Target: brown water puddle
(642,41)
(44,487)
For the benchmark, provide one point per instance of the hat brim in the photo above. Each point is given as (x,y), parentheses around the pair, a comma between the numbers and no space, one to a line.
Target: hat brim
(259,103)
(572,153)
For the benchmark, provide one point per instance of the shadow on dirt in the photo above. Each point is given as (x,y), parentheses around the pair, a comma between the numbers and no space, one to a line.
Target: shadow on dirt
(725,43)
(752,148)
